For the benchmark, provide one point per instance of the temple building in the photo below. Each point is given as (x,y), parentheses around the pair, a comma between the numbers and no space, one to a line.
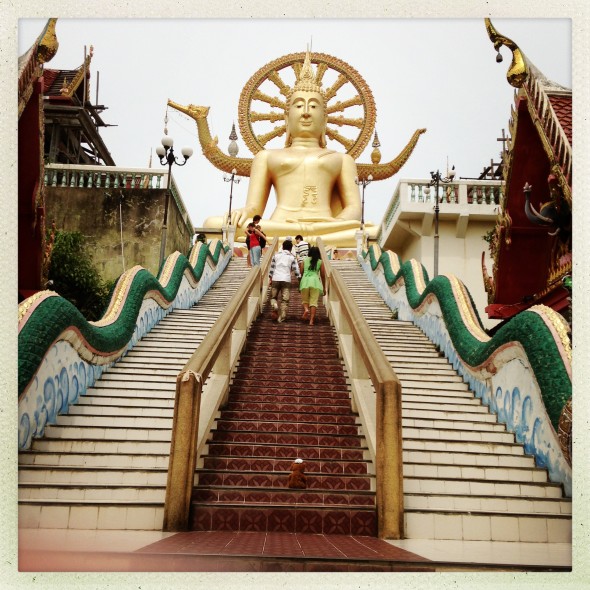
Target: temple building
(532,242)
(65,164)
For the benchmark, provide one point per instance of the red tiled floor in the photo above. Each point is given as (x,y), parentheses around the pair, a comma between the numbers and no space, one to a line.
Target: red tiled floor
(292,545)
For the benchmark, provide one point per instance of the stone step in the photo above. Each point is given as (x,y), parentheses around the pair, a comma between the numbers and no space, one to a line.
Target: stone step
(468,473)
(164,349)
(145,376)
(127,369)
(114,421)
(487,504)
(426,373)
(461,446)
(91,493)
(473,487)
(130,394)
(86,402)
(437,363)
(421,432)
(139,476)
(442,400)
(107,383)
(91,515)
(433,386)
(428,377)
(452,423)
(426,457)
(487,527)
(93,460)
(117,434)
(95,410)
(65,445)
(463,412)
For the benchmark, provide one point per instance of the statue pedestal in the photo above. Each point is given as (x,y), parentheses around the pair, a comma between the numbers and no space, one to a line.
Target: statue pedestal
(228,235)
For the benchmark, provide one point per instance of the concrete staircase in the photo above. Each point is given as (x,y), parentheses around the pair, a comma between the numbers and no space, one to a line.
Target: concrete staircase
(465,477)
(289,399)
(104,465)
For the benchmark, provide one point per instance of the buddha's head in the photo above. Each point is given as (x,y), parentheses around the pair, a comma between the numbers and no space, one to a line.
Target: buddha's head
(306,115)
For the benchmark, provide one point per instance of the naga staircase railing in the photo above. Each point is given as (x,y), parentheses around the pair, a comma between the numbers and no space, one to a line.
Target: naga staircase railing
(196,406)
(376,396)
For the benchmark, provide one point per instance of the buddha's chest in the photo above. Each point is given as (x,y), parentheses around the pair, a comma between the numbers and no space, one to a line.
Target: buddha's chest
(319,164)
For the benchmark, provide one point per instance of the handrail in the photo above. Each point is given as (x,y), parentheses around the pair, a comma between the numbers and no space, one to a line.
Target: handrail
(213,361)
(381,415)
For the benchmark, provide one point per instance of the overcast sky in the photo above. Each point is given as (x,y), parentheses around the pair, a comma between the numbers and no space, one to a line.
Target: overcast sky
(435,73)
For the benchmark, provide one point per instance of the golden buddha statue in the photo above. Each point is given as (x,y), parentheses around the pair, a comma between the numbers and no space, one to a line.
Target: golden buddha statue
(316,188)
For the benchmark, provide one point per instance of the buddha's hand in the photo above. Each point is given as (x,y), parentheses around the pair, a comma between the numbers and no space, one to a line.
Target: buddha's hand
(239,216)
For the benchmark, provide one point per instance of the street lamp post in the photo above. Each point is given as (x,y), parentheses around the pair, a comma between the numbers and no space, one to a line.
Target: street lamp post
(364,183)
(166,154)
(436,180)
(232,180)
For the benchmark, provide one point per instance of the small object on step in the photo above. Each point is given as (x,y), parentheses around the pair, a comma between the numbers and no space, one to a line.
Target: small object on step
(274,314)
(297,477)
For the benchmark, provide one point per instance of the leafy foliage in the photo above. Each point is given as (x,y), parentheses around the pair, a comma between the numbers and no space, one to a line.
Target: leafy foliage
(75,277)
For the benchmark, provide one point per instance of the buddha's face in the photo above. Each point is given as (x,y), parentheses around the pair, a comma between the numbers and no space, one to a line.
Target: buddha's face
(306,116)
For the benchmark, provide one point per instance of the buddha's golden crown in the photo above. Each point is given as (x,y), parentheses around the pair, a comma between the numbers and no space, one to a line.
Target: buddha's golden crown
(307,80)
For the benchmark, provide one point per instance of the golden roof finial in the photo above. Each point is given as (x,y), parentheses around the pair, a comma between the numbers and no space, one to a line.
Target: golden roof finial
(48,43)
(376,153)
(518,71)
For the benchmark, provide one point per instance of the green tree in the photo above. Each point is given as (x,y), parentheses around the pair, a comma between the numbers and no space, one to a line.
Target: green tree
(74,276)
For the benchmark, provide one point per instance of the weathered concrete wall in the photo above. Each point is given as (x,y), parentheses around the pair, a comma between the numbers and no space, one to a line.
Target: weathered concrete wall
(95,213)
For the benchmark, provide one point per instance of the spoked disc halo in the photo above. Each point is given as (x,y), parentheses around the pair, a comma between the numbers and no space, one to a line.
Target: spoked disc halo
(350,105)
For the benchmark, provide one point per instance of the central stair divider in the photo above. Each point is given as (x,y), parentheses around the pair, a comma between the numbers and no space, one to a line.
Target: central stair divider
(376,396)
(208,372)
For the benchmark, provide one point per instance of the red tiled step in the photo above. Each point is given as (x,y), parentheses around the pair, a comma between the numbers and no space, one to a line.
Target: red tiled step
(299,427)
(272,351)
(313,414)
(328,520)
(289,497)
(246,403)
(274,375)
(304,433)
(332,365)
(289,388)
(269,479)
(286,438)
(333,399)
(306,453)
(282,465)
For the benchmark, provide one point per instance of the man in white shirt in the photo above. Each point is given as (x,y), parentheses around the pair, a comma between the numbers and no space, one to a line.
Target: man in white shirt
(282,265)
(302,247)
